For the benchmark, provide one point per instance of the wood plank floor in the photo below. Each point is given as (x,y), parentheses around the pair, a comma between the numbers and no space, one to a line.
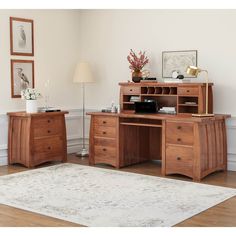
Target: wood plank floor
(223,214)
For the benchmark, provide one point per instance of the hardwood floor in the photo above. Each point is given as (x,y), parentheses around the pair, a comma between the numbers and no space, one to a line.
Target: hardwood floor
(223,214)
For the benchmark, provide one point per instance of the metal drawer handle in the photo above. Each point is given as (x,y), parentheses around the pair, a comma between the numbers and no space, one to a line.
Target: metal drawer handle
(178,139)
(179,127)
(104,149)
(104,132)
(104,122)
(178,158)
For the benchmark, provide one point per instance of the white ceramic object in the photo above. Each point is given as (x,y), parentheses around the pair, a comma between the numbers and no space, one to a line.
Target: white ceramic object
(31,106)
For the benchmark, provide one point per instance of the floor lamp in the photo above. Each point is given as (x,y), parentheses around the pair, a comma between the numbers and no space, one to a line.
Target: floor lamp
(83,75)
(194,71)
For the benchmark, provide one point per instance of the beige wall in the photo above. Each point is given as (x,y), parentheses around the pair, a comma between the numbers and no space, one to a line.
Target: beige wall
(107,35)
(56,53)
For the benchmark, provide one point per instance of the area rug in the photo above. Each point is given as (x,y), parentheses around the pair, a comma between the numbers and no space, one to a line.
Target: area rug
(94,196)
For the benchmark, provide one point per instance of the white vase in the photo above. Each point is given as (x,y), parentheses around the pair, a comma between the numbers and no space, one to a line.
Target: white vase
(31,106)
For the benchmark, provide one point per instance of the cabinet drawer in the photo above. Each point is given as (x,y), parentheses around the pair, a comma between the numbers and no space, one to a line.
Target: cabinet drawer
(48,147)
(179,160)
(104,131)
(47,126)
(188,91)
(106,142)
(105,121)
(104,154)
(179,133)
(131,90)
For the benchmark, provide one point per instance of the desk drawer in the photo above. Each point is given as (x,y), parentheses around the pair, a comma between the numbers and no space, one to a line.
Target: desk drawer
(188,91)
(132,90)
(105,142)
(179,133)
(105,121)
(105,154)
(106,132)
(179,160)
(47,126)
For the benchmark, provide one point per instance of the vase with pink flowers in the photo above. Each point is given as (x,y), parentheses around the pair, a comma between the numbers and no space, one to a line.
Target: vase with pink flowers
(137,61)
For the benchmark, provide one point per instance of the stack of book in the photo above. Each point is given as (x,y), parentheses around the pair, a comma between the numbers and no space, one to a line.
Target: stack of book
(168,110)
(134,99)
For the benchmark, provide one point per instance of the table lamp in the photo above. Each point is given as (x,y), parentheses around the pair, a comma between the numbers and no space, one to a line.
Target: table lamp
(194,71)
(83,75)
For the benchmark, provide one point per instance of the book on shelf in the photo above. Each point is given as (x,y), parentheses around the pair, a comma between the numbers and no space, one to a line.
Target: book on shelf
(134,99)
(167,110)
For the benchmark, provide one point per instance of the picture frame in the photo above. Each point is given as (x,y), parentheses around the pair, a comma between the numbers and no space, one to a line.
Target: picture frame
(21,36)
(178,61)
(22,76)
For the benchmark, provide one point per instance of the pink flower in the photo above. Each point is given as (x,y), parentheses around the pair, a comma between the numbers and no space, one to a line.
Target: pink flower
(137,62)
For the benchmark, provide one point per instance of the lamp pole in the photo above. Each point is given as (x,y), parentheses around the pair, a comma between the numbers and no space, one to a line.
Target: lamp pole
(83,153)
(207,82)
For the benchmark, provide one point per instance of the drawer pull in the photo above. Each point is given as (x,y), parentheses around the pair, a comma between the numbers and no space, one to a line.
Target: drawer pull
(178,158)
(104,149)
(104,122)
(179,127)
(49,148)
(49,131)
(178,139)
(104,132)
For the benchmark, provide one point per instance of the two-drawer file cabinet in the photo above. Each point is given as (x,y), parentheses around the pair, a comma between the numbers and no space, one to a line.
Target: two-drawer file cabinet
(35,138)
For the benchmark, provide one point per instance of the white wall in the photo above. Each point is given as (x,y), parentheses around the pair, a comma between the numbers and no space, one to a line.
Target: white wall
(57,44)
(56,37)
(107,35)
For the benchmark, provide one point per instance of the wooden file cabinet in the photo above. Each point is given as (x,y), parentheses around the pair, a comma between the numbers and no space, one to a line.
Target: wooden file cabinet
(35,138)
(104,140)
(195,149)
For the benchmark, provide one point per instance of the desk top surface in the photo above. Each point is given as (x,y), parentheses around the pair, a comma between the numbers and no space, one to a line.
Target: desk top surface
(181,117)
(24,114)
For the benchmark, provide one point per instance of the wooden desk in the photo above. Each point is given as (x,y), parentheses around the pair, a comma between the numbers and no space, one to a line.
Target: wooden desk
(187,145)
(35,138)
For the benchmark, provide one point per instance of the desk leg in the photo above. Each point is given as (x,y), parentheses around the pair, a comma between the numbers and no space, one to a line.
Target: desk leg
(163,148)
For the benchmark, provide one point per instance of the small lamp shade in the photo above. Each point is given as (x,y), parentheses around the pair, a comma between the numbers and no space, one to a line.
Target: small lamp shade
(83,73)
(193,70)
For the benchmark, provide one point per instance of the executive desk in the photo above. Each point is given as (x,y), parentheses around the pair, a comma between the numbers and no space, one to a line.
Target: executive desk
(187,145)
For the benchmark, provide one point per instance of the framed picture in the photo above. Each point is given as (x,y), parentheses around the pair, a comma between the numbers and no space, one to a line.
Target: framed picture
(178,61)
(21,36)
(22,76)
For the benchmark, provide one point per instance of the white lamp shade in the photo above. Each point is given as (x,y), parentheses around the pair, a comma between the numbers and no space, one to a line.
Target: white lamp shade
(83,73)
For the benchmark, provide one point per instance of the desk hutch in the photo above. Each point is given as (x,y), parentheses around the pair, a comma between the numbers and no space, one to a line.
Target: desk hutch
(191,146)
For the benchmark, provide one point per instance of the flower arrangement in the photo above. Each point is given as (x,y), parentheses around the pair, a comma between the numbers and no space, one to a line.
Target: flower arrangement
(30,94)
(137,62)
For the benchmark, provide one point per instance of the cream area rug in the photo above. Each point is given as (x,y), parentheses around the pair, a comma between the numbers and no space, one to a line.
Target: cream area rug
(93,196)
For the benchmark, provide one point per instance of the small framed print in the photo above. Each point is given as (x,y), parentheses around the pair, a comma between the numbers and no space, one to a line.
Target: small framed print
(22,76)
(21,36)
(178,61)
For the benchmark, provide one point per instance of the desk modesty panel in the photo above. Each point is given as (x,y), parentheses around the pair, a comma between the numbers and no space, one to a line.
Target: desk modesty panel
(186,145)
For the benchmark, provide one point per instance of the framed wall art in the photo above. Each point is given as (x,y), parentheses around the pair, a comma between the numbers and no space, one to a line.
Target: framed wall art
(21,36)
(22,76)
(178,61)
